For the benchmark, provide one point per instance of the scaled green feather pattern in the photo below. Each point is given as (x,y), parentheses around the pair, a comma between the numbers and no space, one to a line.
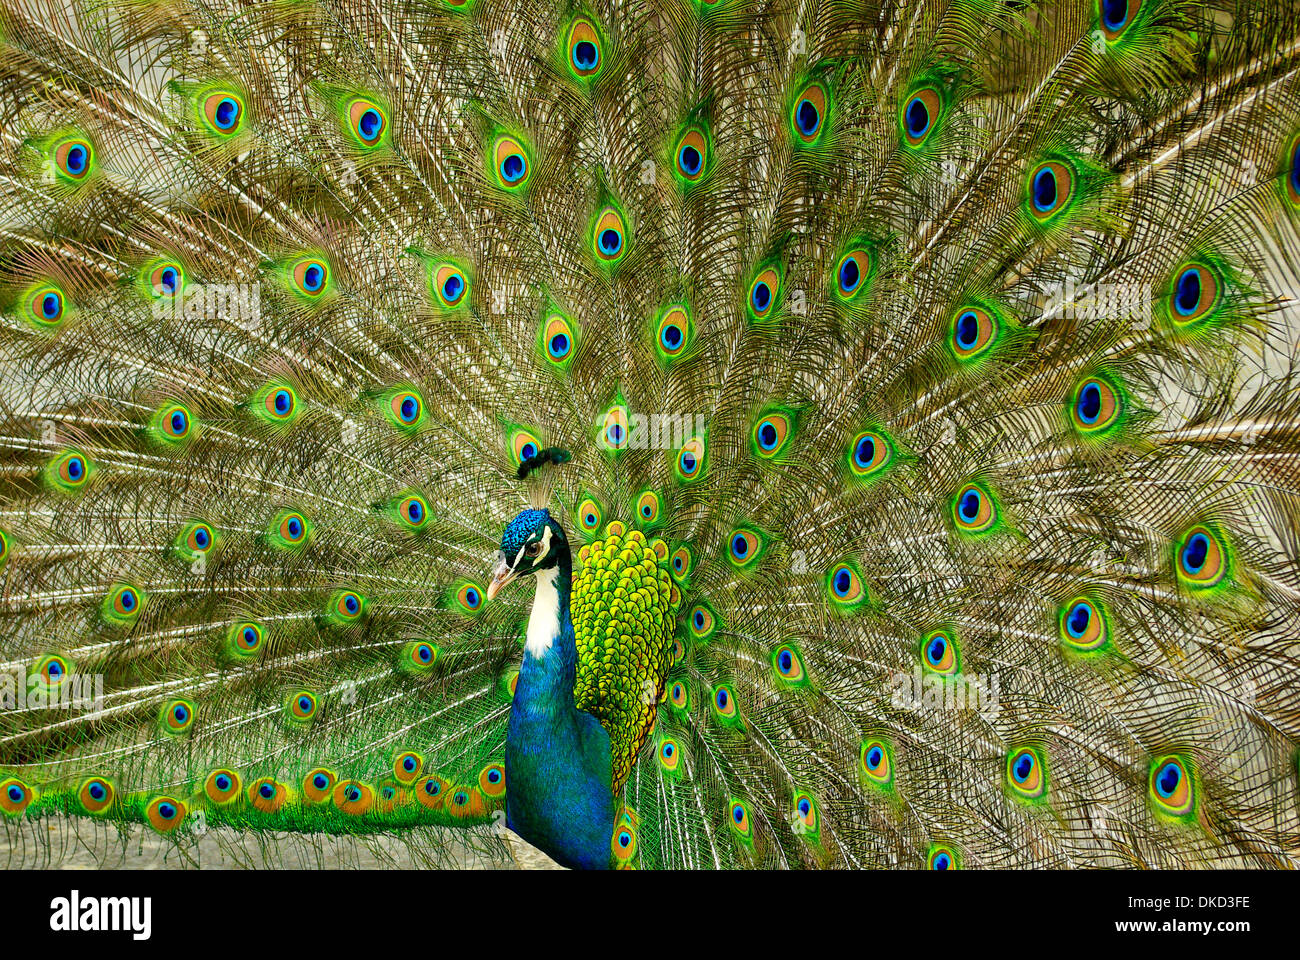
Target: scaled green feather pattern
(624,616)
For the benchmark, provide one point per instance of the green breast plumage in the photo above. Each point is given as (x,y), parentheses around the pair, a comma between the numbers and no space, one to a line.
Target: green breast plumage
(624,615)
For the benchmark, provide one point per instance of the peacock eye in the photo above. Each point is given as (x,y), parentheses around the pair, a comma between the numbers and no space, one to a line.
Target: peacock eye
(533,549)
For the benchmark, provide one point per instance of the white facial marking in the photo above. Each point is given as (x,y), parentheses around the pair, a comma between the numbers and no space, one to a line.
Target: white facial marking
(544,620)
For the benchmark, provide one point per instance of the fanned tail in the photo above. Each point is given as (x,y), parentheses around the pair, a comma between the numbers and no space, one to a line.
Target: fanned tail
(948,348)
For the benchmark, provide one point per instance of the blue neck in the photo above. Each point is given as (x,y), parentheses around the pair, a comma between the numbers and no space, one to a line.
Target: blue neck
(558,771)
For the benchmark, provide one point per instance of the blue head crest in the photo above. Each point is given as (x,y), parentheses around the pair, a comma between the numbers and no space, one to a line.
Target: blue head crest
(521,528)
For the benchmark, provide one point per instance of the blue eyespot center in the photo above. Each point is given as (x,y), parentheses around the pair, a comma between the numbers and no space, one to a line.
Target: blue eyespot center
(722,699)
(690,160)
(1114,13)
(1045,189)
(850,275)
(409,408)
(785,661)
(494,776)
(1078,620)
(201,537)
(283,402)
(76,159)
(96,791)
(739,813)
(611,241)
(250,636)
(843,581)
(1023,767)
(585,55)
(968,329)
(874,756)
(918,118)
(432,787)
(559,345)
(767,435)
(370,124)
(127,600)
(295,528)
(671,337)
(425,653)
(970,505)
(320,781)
(408,764)
(942,862)
(865,452)
(936,650)
(313,277)
(1090,403)
(266,791)
(351,603)
(699,619)
(739,546)
(1187,297)
(1168,778)
(688,463)
(512,167)
(1194,554)
(452,287)
(166,811)
(807,118)
(762,296)
(227,113)
(75,468)
(305,704)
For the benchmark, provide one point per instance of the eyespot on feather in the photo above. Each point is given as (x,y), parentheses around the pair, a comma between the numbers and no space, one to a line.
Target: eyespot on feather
(1049,189)
(920,113)
(165,814)
(222,786)
(367,121)
(808,113)
(311,276)
(223,112)
(96,795)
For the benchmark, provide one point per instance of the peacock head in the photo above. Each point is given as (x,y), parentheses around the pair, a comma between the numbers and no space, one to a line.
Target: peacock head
(533,542)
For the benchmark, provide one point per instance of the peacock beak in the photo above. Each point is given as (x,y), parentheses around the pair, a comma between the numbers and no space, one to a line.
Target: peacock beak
(501,575)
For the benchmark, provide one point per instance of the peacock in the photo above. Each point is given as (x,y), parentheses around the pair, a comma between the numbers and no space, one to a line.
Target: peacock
(677,433)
